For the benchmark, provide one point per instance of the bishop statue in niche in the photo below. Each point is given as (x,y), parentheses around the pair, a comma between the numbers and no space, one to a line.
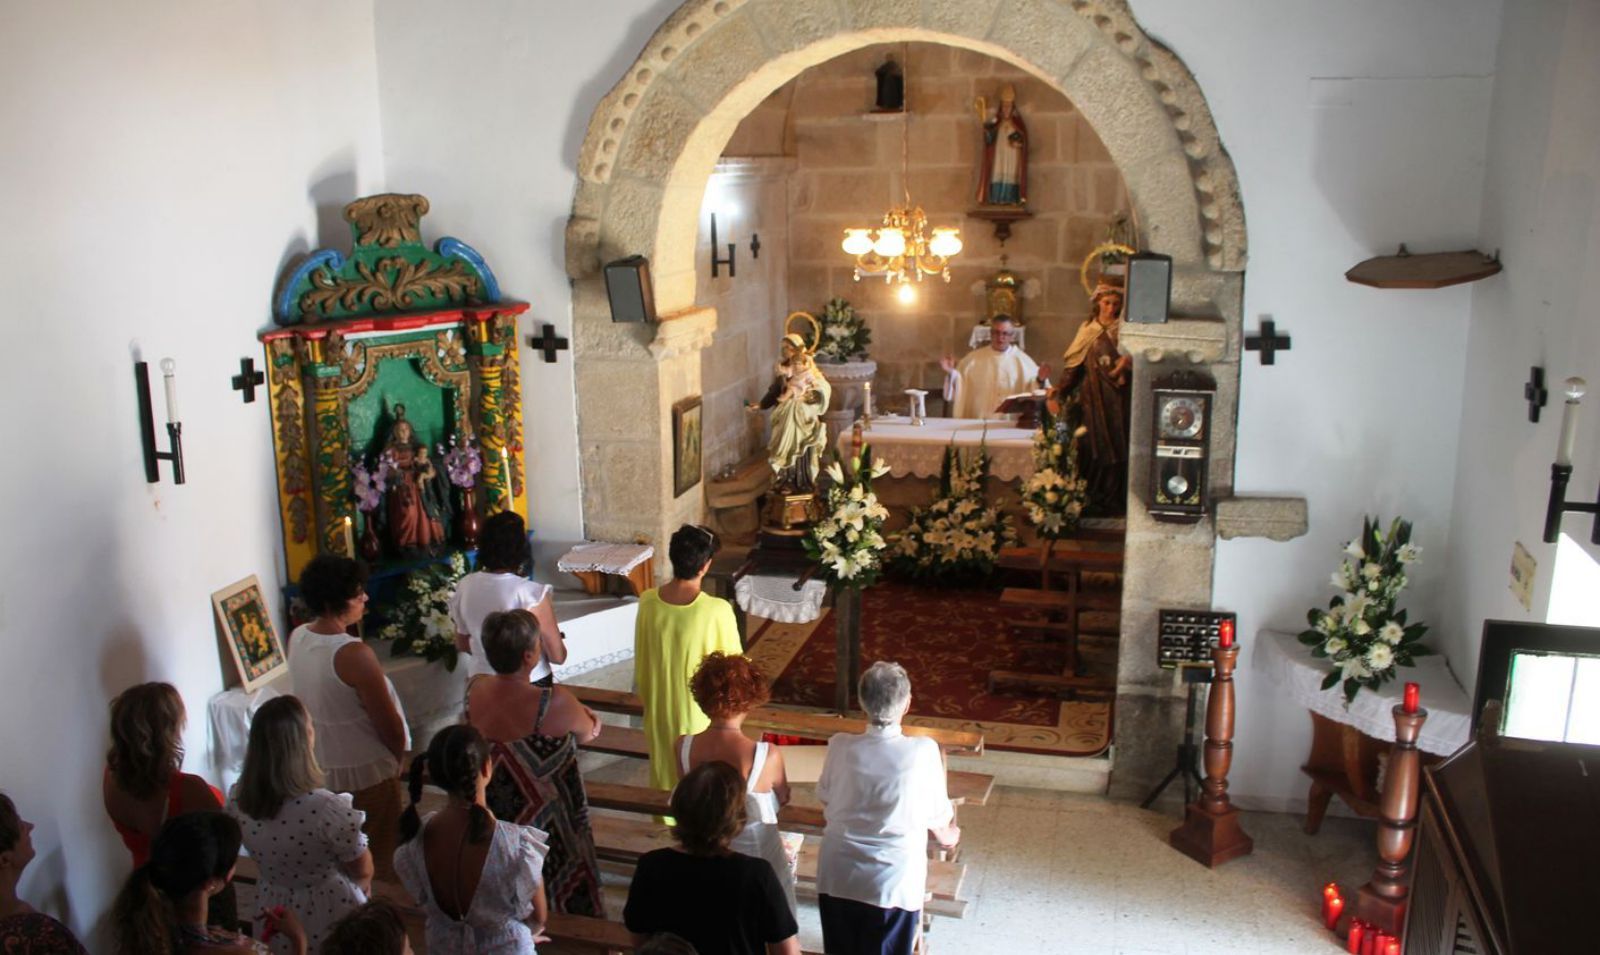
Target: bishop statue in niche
(1003,175)
(415,502)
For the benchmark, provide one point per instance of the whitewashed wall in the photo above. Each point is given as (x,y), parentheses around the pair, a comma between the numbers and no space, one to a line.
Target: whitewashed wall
(160,163)
(1542,210)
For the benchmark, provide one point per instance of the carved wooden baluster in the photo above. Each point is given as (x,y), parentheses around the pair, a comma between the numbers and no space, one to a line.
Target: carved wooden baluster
(1382,901)
(1210,833)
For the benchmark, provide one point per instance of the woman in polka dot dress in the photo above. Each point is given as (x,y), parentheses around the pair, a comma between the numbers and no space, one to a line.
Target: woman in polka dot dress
(307,840)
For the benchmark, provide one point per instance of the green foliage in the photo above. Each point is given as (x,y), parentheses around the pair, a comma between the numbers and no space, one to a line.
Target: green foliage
(1362,634)
(845,335)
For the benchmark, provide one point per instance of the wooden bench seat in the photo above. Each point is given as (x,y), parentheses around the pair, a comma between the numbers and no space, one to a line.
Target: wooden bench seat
(1024,598)
(789,722)
(971,789)
(623,839)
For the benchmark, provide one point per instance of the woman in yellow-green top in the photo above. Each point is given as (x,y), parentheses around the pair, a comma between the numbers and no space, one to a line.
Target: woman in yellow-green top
(678,626)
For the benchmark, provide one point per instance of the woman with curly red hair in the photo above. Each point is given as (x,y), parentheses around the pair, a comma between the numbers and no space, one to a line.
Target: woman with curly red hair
(727,687)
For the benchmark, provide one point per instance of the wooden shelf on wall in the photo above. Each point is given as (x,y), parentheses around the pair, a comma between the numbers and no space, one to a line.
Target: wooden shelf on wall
(1431,270)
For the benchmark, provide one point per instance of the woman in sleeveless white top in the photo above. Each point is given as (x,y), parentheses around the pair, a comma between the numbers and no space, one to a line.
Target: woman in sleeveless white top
(349,749)
(760,837)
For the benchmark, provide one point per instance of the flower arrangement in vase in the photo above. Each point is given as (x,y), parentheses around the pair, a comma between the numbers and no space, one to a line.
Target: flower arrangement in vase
(418,619)
(1362,633)
(958,537)
(1057,493)
(848,542)
(845,335)
(462,464)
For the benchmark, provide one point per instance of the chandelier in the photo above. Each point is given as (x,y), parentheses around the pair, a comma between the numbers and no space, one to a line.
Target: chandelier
(901,249)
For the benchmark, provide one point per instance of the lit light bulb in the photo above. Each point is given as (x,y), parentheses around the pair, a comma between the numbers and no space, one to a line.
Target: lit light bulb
(946,241)
(891,243)
(1575,388)
(906,293)
(857,241)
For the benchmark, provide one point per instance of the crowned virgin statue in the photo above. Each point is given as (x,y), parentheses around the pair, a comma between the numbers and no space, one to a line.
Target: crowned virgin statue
(412,503)
(798,399)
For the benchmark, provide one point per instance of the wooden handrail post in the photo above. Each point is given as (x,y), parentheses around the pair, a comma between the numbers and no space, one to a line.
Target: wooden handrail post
(1210,833)
(1382,901)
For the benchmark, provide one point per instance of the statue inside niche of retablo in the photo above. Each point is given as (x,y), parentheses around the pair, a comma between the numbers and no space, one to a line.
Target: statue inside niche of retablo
(413,505)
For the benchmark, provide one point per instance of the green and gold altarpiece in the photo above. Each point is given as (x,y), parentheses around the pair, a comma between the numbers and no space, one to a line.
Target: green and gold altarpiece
(393,330)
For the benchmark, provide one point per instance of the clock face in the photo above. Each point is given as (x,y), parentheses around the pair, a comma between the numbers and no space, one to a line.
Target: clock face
(1181,417)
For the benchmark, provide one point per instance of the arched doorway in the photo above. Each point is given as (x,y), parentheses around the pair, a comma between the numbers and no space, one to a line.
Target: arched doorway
(652,145)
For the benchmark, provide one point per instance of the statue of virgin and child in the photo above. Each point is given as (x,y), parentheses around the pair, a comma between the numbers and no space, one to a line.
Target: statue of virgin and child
(798,399)
(416,502)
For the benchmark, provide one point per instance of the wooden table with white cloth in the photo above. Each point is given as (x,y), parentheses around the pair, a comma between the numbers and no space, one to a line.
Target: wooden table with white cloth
(918,450)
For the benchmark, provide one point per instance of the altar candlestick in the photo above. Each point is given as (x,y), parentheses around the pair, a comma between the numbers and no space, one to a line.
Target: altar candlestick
(1353,940)
(169,378)
(1413,697)
(1225,634)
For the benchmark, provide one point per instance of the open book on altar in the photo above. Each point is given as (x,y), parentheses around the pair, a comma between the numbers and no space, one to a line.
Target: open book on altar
(1025,405)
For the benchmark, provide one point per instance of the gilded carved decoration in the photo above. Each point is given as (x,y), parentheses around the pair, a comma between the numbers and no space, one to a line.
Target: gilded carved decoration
(388,220)
(505,335)
(389,284)
(288,420)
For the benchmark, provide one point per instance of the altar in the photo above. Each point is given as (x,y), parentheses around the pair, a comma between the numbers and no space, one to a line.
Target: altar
(918,450)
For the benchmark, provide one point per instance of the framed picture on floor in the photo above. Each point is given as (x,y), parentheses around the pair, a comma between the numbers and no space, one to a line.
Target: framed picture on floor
(247,630)
(686,434)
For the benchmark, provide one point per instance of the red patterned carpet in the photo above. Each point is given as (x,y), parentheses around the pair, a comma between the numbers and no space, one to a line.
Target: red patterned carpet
(948,640)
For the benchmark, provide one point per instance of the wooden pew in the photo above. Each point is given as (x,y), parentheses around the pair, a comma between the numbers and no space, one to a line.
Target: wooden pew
(792,722)
(971,789)
(623,839)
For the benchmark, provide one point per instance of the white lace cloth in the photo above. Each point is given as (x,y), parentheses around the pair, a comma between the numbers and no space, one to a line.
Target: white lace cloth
(1289,664)
(776,599)
(919,451)
(606,558)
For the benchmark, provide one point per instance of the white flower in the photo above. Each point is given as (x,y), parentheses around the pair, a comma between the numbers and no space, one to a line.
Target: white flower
(1391,633)
(1371,571)
(836,473)
(1334,645)
(439,623)
(1354,669)
(1380,657)
(879,468)
(1337,579)
(1354,550)
(1409,554)
(1360,627)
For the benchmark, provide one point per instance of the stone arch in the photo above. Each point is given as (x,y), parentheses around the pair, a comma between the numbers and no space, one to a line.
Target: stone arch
(654,139)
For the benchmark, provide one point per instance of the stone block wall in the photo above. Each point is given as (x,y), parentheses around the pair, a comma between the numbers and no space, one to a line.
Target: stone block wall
(847,171)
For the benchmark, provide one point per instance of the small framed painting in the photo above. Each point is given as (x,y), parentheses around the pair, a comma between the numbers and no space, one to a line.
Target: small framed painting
(247,629)
(686,433)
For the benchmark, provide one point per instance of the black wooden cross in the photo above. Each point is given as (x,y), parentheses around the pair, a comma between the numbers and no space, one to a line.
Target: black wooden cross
(1268,342)
(548,342)
(755,246)
(248,379)
(1535,392)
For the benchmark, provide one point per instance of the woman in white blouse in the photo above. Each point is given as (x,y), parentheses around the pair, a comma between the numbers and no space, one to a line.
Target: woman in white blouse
(882,793)
(308,841)
(500,583)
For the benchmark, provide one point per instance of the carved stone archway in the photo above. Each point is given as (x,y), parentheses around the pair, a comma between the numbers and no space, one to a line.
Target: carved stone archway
(651,147)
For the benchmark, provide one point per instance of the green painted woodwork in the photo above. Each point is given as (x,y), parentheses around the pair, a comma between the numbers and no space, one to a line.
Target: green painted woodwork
(430,408)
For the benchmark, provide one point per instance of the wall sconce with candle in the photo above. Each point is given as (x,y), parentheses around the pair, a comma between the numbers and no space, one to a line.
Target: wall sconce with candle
(715,261)
(1561,471)
(147,422)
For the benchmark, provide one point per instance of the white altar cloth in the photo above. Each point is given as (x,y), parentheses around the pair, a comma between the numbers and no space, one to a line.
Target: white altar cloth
(919,451)
(1291,666)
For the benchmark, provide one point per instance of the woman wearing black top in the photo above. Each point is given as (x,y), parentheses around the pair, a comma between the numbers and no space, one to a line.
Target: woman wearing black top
(722,902)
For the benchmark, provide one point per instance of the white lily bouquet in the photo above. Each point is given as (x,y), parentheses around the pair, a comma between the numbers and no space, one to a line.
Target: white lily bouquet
(418,620)
(849,541)
(1057,493)
(845,335)
(959,535)
(1361,633)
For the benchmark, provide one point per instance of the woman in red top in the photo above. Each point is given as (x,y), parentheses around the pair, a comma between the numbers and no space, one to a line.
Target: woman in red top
(144,785)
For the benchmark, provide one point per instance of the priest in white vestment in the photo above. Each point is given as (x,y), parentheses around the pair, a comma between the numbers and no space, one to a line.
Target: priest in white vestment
(987,376)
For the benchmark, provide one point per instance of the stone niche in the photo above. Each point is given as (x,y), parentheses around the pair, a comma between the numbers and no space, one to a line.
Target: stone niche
(653,143)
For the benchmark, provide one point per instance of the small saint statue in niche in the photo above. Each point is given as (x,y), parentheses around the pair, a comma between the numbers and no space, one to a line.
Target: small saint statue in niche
(1003,175)
(413,505)
(798,398)
(891,87)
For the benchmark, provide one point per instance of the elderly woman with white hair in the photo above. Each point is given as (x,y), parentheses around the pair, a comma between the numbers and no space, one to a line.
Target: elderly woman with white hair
(882,792)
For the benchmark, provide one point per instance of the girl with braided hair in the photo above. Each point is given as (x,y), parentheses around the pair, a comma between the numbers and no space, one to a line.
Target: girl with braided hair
(478,879)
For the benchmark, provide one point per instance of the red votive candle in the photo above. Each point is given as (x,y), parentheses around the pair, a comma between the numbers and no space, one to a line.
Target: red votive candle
(1413,697)
(1392,947)
(1352,942)
(1335,909)
(1225,634)
(1369,941)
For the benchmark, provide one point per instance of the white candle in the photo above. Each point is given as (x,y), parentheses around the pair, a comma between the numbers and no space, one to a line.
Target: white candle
(1575,388)
(866,400)
(169,378)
